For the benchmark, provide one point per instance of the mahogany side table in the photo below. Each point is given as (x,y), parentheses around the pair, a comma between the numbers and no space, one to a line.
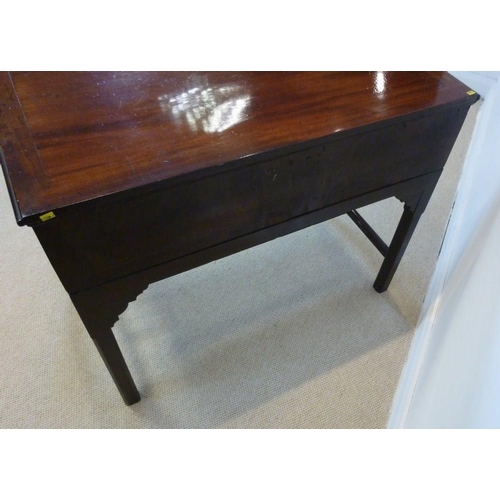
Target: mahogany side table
(129,178)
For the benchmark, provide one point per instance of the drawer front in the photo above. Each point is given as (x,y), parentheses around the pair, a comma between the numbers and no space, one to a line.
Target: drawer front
(93,246)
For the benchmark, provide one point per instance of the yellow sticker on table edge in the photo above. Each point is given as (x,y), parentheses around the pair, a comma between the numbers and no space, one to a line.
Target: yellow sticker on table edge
(47,216)
(471,92)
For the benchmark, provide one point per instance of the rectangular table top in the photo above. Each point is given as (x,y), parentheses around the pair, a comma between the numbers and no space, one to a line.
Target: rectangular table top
(71,137)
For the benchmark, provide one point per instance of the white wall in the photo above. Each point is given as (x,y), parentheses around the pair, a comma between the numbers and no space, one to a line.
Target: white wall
(452,376)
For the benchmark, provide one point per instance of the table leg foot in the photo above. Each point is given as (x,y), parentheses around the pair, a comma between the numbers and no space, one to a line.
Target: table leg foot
(396,249)
(115,363)
(99,309)
(414,206)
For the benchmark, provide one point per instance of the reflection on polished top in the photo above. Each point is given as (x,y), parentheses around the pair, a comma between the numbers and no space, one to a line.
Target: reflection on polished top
(207,108)
(380,83)
(89,134)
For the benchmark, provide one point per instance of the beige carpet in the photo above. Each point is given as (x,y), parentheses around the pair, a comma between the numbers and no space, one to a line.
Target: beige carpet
(290,334)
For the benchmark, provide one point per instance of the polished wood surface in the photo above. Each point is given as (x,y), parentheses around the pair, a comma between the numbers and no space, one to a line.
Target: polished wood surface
(130,178)
(69,138)
(168,223)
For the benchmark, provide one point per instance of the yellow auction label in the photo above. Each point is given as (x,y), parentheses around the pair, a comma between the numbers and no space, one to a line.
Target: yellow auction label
(470,92)
(47,216)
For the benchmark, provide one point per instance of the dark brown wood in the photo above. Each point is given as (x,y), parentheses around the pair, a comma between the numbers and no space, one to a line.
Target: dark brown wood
(116,294)
(173,221)
(84,135)
(99,310)
(369,232)
(129,178)
(414,206)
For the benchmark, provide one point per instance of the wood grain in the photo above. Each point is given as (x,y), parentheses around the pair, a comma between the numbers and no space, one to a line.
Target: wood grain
(153,174)
(69,138)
